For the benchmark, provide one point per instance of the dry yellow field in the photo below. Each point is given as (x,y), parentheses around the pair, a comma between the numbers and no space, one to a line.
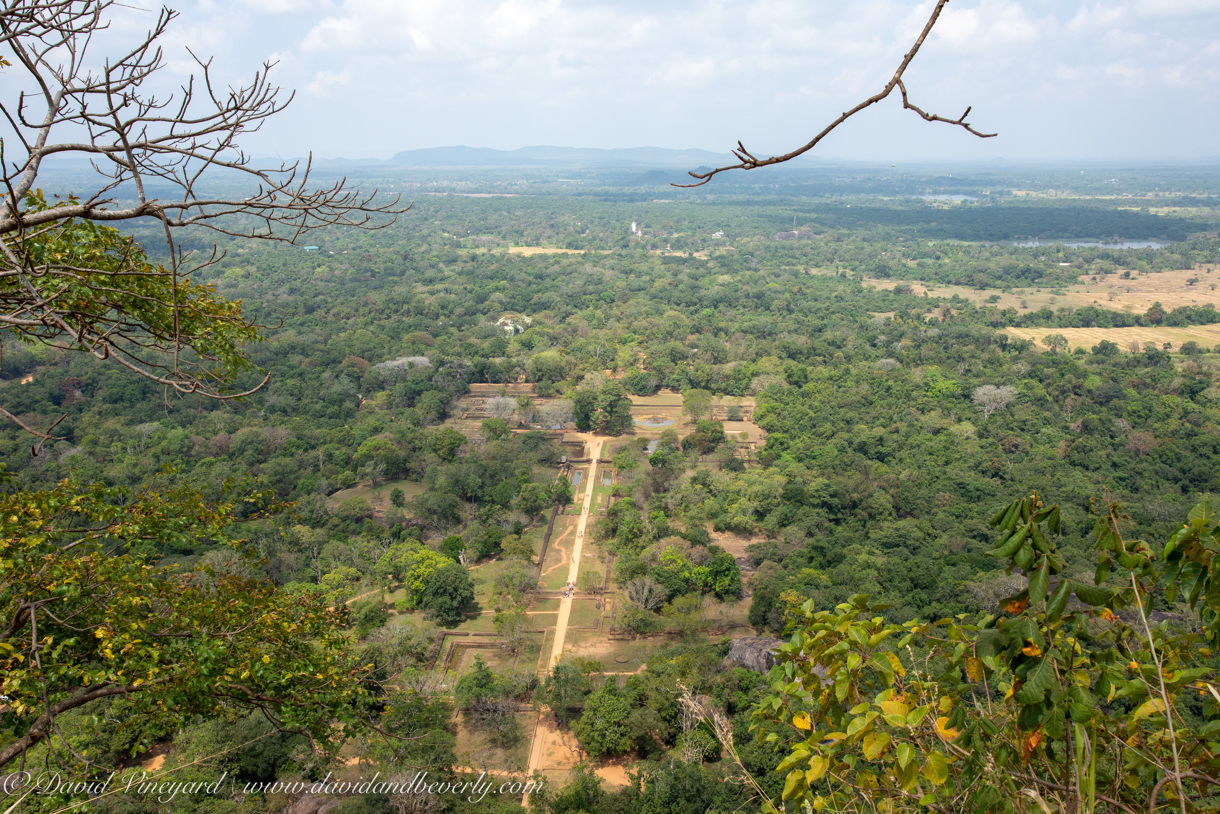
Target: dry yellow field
(531,250)
(1206,335)
(1169,288)
(1136,295)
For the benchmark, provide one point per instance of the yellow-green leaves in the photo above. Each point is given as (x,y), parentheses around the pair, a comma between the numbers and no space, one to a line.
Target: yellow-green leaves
(974,669)
(936,769)
(875,743)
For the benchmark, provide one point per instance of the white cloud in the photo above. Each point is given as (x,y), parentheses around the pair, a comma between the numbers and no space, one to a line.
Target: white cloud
(504,73)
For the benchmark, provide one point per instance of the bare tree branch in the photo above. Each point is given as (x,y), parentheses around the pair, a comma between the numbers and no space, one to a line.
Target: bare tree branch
(748,161)
(69,281)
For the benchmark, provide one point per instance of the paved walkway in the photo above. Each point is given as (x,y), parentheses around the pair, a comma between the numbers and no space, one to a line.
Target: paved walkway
(541,735)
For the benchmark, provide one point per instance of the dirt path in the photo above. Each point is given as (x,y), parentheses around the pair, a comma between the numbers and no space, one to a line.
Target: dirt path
(542,734)
(565,605)
(556,542)
(370,593)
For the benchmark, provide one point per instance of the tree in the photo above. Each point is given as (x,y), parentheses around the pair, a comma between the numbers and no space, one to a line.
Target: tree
(517,579)
(86,616)
(696,404)
(990,398)
(516,547)
(448,592)
(602,728)
(613,409)
(561,491)
(525,409)
(686,612)
(1056,342)
(1191,348)
(565,687)
(512,626)
(445,442)
(1040,704)
(482,695)
(533,498)
(398,497)
(494,429)
(414,564)
(584,408)
(646,593)
(452,547)
(500,407)
(66,274)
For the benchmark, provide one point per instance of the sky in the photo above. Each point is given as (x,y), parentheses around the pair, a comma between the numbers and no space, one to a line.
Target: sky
(1057,79)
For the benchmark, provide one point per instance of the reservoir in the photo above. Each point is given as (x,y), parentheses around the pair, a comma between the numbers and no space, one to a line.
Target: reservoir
(1094,244)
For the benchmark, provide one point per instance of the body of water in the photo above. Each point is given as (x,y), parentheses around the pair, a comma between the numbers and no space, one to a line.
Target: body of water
(654,422)
(1094,244)
(576,478)
(948,197)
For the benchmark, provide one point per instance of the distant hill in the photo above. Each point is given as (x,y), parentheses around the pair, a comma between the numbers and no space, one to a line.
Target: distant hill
(556,157)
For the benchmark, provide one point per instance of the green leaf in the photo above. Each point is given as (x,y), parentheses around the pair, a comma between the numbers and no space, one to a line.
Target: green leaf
(1039,681)
(1038,583)
(1058,601)
(790,761)
(1092,595)
(792,783)
(1153,706)
(905,752)
(1104,564)
(936,769)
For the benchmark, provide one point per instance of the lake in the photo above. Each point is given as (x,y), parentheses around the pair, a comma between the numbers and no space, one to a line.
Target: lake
(1094,244)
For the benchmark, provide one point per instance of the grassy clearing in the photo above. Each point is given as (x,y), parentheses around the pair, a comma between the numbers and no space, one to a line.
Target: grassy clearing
(379,497)
(484,578)
(1170,288)
(532,250)
(584,613)
(555,580)
(1206,335)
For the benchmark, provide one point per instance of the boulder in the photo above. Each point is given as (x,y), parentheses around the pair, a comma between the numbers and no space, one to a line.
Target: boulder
(755,653)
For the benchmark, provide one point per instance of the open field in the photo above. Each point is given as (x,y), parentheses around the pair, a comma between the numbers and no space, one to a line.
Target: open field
(379,498)
(1206,335)
(1169,288)
(529,250)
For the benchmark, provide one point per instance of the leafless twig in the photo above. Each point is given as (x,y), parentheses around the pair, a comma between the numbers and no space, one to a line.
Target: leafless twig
(155,158)
(747,161)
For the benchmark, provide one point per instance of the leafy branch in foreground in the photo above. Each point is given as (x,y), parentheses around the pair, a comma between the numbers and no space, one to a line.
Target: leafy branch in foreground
(85,615)
(747,161)
(1072,697)
(75,285)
